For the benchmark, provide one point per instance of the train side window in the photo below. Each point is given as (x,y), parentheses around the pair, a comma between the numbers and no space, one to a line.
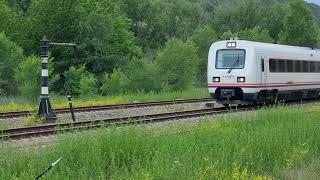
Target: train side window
(317,66)
(297,66)
(289,65)
(281,66)
(272,65)
(313,66)
(262,64)
(305,66)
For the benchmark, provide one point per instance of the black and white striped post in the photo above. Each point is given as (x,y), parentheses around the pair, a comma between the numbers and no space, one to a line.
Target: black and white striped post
(45,110)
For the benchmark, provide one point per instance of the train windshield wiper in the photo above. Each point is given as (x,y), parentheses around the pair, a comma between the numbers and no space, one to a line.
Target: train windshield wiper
(236,62)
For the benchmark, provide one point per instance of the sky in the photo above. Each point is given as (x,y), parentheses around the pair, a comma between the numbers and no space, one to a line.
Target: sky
(314,1)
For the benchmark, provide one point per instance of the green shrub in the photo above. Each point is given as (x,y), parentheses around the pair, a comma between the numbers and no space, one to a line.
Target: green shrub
(72,80)
(142,76)
(203,37)
(116,83)
(28,74)
(88,85)
(28,77)
(177,64)
(10,56)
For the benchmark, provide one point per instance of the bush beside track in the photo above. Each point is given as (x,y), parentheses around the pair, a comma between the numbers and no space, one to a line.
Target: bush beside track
(276,143)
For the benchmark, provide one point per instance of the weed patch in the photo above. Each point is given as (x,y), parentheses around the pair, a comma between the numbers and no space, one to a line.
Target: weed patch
(21,104)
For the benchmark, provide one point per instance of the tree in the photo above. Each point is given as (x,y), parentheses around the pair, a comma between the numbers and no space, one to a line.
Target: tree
(28,77)
(116,83)
(154,22)
(273,20)
(146,21)
(142,76)
(10,56)
(238,16)
(19,5)
(177,64)
(14,25)
(299,27)
(98,27)
(183,17)
(255,34)
(203,37)
(88,85)
(315,9)
(6,17)
(72,79)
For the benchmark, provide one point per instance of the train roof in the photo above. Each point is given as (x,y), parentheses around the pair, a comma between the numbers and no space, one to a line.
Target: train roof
(267,46)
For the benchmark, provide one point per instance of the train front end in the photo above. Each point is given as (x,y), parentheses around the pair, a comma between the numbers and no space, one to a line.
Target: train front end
(231,72)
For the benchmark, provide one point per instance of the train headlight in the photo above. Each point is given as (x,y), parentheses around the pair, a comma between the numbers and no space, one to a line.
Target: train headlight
(231,44)
(241,79)
(216,79)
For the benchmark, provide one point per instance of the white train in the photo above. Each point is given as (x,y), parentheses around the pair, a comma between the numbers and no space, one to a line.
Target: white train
(246,72)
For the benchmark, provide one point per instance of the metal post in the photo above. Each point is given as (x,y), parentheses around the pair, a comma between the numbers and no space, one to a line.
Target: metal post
(48,168)
(45,110)
(71,109)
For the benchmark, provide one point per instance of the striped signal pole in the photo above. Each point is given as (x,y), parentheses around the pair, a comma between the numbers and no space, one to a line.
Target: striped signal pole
(45,110)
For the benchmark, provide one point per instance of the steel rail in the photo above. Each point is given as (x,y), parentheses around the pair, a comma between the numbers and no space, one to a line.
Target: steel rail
(49,129)
(16,114)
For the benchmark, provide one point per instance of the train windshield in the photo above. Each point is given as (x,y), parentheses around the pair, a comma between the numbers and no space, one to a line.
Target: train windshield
(230,59)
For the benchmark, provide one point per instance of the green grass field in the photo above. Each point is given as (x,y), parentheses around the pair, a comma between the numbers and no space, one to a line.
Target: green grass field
(19,104)
(274,143)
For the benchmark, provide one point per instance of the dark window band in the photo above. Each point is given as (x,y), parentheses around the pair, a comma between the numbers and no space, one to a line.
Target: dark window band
(282,66)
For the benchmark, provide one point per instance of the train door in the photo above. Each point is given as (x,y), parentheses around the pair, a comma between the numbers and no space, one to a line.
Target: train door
(263,69)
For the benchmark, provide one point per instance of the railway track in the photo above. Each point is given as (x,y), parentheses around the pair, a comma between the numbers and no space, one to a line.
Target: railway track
(49,129)
(107,107)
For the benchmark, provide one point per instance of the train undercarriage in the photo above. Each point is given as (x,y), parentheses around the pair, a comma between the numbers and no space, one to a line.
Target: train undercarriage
(235,96)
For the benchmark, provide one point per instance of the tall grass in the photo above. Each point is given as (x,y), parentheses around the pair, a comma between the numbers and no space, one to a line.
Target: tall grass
(267,144)
(20,103)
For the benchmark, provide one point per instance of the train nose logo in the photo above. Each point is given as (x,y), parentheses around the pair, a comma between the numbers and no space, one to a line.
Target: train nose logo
(228,76)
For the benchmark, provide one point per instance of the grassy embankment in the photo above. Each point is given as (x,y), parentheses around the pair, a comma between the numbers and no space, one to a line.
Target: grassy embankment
(20,104)
(284,141)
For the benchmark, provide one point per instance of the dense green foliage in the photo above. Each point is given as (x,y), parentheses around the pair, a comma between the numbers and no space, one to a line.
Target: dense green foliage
(142,76)
(114,84)
(239,15)
(203,38)
(28,79)
(131,35)
(299,27)
(315,12)
(10,56)
(72,79)
(27,75)
(88,84)
(280,143)
(177,64)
